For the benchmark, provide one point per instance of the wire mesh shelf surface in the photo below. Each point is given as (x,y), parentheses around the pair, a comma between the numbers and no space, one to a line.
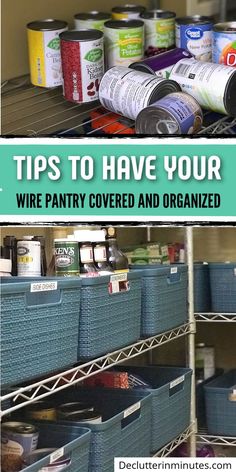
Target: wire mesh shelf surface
(34,111)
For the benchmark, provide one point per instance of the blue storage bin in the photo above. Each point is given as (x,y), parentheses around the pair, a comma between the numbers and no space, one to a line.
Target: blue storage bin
(202,289)
(39,329)
(74,441)
(164,297)
(200,398)
(223,287)
(125,429)
(108,321)
(171,399)
(220,399)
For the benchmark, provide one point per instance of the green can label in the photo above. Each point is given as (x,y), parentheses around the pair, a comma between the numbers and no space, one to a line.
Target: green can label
(66,258)
(131,44)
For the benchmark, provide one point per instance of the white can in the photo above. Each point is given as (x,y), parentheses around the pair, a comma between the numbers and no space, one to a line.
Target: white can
(127,92)
(205,361)
(124,42)
(212,85)
(91,20)
(28,258)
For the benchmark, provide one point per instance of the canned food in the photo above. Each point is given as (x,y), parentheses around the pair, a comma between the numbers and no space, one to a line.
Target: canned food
(224,44)
(127,12)
(91,20)
(44,52)
(17,441)
(28,258)
(67,409)
(82,64)
(124,42)
(161,65)
(194,33)
(159,31)
(56,466)
(127,92)
(199,79)
(205,361)
(66,257)
(91,417)
(41,410)
(177,113)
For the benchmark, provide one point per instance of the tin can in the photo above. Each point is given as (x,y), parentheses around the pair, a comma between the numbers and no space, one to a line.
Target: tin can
(17,441)
(41,410)
(44,52)
(127,92)
(199,79)
(56,466)
(127,12)
(90,417)
(205,361)
(91,20)
(66,257)
(124,42)
(66,409)
(28,258)
(161,65)
(194,33)
(224,44)
(82,64)
(177,113)
(159,31)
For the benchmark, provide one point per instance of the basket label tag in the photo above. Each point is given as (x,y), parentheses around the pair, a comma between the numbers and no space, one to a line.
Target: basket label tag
(177,381)
(174,270)
(132,409)
(56,455)
(118,283)
(43,286)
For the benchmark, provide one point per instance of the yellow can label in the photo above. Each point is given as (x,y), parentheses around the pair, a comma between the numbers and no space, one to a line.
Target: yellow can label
(36,57)
(120,16)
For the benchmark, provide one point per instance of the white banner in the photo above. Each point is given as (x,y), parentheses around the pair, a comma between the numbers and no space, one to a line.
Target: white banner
(173,464)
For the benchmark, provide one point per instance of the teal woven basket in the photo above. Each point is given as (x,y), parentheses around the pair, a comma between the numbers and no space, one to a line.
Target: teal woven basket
(39,329)
(202,289)
(108,321)
(223,287)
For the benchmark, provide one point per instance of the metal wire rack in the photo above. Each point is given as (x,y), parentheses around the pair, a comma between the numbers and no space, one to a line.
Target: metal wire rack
(33,111)
(216,317)
(203,437)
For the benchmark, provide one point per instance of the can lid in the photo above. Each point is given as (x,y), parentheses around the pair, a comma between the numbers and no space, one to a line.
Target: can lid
(192,20)
(92,15)
(48,24)
(230,95)
(5,265)
(82,35)
(152,14)
(124,24)
(22,428)
(225,27)
(128,8)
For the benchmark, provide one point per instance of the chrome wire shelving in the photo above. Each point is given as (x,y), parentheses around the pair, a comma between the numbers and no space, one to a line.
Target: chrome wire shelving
(203,437)
(172,445)
(216,317)
(33,111)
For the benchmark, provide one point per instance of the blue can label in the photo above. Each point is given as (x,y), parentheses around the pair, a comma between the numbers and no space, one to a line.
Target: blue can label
(224,48)
(196,39)
(185,113)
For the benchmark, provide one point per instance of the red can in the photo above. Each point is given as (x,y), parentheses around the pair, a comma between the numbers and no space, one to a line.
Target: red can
(82,56)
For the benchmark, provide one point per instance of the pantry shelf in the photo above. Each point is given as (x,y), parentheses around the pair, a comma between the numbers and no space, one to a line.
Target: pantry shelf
(204,438)
(33,111)
(171,446)
(46,387)
(216,317)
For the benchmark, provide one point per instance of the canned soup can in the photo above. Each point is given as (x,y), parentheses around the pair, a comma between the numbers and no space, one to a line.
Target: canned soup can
(161,65)
(82,64)
(44,52)
(159,31)
(124,42)
(17,441)
(212,85)
(28,258)
(224,44)
(177,113)
(127,92)
(127,12)
(194,33)
(91,20)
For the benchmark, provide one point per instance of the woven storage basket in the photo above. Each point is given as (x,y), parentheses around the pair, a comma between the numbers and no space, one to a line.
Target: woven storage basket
(200,398)
(202,289)
(171,397)
(108,321)
(39,329)
(164,298)
(125,429)
(220,399)
(74,441)
(223,287)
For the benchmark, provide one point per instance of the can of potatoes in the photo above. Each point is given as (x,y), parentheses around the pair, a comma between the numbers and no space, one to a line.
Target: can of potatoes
(124,42)
(91,20)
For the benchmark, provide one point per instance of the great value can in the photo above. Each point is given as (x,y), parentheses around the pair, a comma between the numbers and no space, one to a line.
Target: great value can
(213,85)
(127,92)
(82,64)
(161,65)
(127,12)
(44,52)
(194,33)
(159,31)
(177,113)
(17,441)
(124,42)
(224,44)
(66,255)
(91,20)
(28,258)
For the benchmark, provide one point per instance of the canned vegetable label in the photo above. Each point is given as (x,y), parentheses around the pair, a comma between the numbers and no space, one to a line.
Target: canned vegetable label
(66,257)
(123,46)
(159,34)
(196,38)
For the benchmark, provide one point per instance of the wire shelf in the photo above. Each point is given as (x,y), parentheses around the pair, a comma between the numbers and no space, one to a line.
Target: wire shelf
(172,445)
(34,111)
(216,317)
(203,437)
